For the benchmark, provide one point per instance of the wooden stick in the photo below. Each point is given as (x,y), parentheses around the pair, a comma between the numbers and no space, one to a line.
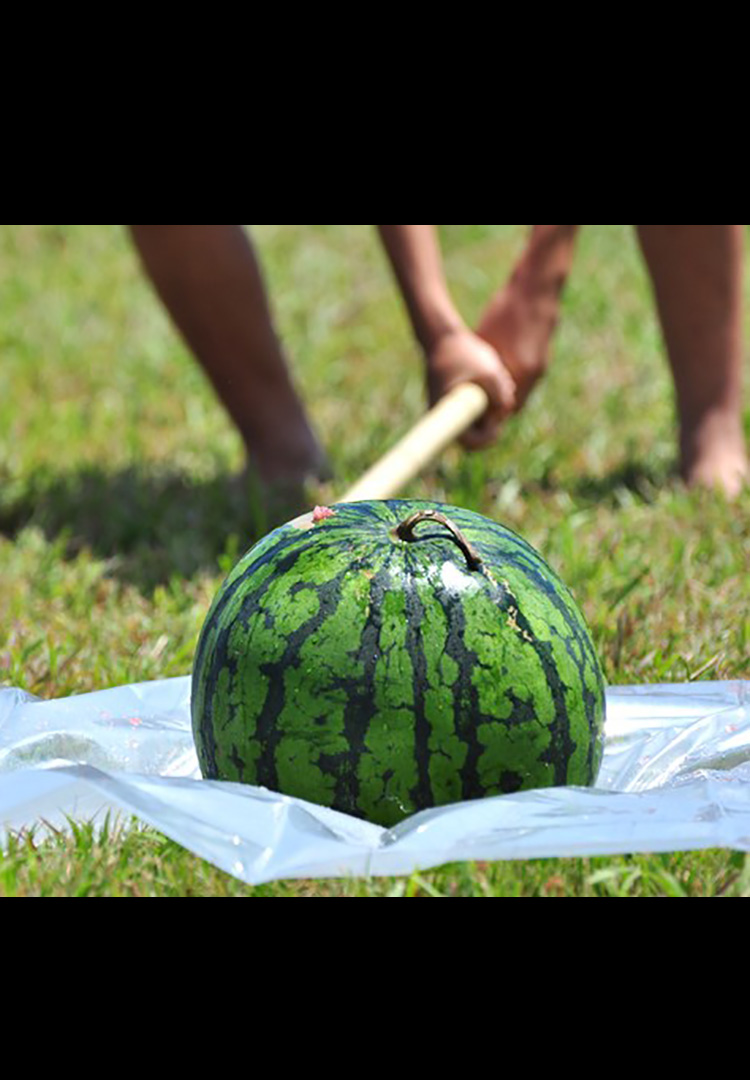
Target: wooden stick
(426,441)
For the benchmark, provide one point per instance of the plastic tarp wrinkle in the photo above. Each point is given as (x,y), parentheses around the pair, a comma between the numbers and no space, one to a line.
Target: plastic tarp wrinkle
(676,777)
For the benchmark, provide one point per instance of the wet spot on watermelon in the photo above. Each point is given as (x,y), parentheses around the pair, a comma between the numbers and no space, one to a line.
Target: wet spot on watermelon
(457,581)
(303,523)
(312,518)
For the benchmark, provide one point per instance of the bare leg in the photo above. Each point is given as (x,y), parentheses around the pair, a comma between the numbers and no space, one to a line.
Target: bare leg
(697,277)
(210,281)
(521,320)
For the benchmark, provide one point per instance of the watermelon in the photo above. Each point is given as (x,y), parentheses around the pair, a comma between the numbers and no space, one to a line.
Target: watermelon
(384,658)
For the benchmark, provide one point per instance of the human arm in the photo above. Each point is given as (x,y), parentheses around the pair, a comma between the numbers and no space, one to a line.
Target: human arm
(454,354)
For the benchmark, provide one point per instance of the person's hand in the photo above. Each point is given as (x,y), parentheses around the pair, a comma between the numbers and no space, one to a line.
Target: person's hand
(460,356)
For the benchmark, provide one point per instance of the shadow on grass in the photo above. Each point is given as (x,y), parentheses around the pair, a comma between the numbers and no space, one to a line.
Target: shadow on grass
(155,526)
(640,481)
(543,474)
(152,526)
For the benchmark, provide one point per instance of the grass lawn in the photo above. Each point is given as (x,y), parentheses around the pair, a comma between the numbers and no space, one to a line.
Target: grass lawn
(118,521)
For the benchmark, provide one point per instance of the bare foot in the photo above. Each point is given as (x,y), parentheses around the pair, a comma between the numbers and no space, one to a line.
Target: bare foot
(271,503)
(281,444)
(296,459)
(286,468)
(714,456)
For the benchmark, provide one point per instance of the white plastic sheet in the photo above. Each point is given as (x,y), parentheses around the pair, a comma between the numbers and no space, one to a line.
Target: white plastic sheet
(676,777)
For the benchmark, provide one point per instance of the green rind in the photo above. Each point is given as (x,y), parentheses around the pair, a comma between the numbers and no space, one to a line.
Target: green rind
(351,669)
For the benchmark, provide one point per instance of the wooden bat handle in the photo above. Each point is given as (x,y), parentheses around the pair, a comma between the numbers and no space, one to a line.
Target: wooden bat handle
(426,441)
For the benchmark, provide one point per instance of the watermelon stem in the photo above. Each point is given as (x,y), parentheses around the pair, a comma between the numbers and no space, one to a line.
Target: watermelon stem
(405,532)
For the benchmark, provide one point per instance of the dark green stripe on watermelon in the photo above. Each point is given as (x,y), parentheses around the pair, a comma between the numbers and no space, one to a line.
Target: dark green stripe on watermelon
(348,667)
